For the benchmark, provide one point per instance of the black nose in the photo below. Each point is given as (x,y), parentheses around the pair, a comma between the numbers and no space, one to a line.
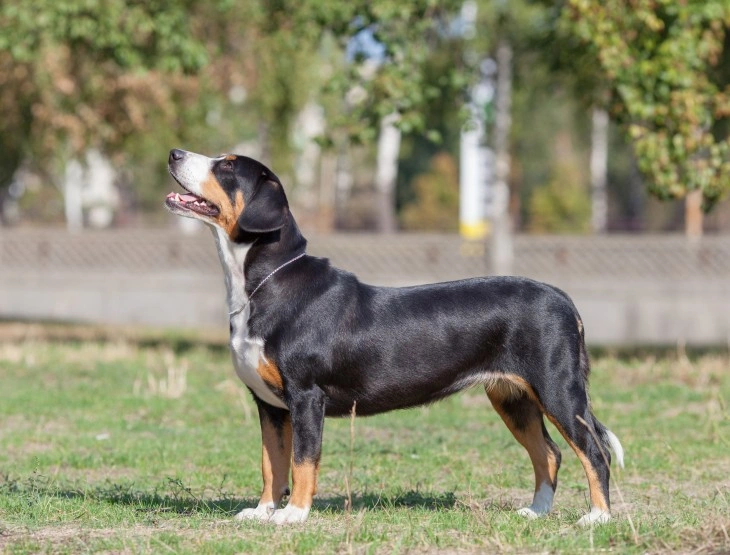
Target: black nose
(176,154)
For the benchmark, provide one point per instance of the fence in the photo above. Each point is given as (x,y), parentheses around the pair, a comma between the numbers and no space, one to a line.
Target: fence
(629,289)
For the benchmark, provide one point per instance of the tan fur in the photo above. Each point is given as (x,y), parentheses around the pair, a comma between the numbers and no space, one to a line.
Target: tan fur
(229,212)
(507,386)
(275,460)
(544,461)
(270,374)
(304,478)
(598,500)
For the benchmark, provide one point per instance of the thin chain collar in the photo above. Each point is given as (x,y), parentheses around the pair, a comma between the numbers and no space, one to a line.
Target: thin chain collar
(238,310)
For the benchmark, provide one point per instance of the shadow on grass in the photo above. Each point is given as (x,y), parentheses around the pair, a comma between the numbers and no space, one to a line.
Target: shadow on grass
(175,497)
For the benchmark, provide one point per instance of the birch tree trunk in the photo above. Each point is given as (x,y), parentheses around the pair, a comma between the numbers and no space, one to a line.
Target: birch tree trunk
(502,250)
(386,173)
(72,187)
(599,170)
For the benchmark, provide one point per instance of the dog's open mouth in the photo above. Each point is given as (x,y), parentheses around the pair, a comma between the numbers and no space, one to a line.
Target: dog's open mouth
(192,203)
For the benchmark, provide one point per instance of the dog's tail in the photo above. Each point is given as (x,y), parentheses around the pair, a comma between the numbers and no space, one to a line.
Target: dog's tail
(606,436)
(609,441)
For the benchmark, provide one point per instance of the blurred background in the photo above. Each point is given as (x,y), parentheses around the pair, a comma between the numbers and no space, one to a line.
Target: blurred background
(580,142)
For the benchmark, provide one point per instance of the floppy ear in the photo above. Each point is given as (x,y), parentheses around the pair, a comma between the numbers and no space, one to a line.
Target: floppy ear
(266,210)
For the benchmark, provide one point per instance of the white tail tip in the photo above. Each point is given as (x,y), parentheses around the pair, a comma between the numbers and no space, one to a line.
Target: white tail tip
(616,447)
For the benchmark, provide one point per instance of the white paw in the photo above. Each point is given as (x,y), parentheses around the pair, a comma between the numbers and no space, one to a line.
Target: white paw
(596,516)
(290,514)
(527,512)
(262,512)
(541,503)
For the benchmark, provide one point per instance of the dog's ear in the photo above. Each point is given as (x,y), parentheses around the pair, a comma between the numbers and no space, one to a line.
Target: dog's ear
(266,210)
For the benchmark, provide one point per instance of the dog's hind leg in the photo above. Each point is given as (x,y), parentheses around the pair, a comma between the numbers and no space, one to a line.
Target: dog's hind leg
(568,409)
(524,419)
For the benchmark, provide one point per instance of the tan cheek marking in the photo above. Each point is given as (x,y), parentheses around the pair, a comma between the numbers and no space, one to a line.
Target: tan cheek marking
(275,460)
(304,476)
(213,192)
(270,374)
(238,207)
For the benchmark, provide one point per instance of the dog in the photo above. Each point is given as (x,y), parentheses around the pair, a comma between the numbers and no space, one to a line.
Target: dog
(310,340)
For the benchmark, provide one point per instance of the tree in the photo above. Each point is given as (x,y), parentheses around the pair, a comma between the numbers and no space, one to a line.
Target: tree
(77,75)
(435,205)
(659,58)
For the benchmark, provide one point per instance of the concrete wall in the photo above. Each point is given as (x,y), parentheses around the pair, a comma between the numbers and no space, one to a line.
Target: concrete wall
(629,290)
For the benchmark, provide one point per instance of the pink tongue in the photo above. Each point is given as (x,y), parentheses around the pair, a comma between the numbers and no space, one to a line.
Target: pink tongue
(189,198)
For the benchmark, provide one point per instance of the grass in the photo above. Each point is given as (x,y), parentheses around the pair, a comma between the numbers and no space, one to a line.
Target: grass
(133,448)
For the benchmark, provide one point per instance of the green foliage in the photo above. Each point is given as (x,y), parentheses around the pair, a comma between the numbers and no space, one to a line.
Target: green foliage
(561,206)
(436,203)
(87,73)
(410,32)
(660,59)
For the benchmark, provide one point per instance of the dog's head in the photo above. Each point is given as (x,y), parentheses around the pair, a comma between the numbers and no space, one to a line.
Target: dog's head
(234,193)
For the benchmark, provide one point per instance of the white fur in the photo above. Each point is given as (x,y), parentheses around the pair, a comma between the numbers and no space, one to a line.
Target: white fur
(541,503)
(262,512)
(291,514)
(247,351)
(596,516)
(616,447)
(193,172)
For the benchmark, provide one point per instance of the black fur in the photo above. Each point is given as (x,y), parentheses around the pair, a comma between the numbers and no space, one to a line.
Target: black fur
(337,341)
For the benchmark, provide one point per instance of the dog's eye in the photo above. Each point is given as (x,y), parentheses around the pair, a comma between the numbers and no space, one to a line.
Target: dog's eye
(226,165)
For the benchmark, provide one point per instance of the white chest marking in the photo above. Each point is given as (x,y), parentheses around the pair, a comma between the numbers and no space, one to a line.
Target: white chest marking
(247,351)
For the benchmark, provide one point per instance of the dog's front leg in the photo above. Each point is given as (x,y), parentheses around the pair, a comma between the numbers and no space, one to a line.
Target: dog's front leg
(307,420)
(276,435)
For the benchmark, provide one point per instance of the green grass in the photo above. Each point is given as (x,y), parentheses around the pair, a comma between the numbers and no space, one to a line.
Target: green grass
(106,447)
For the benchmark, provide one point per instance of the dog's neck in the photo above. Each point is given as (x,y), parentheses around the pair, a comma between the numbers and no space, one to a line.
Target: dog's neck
(271,250)
(232,256)
(249,259)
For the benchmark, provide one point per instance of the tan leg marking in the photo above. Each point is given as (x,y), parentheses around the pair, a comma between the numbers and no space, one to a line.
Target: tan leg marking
(531,438)
(598,500)
(275,460)
(508,386)
(269,372)
(595,489)
(304,478)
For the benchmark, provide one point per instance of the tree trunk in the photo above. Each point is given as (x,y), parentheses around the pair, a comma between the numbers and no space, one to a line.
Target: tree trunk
(599,170)
(326,194)
(310,124)
(387,171)
(502,249)
(72,186)
(693,216)
(343,181)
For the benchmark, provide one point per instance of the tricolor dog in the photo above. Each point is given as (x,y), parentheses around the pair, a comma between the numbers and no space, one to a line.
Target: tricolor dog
(310,340)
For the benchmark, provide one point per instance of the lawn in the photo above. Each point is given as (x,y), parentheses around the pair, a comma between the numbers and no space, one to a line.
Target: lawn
(152,447)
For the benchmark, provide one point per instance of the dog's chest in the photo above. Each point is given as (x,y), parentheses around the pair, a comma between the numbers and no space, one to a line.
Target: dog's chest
(248,354)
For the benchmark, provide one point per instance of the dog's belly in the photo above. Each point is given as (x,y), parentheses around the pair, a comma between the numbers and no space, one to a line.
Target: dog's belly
(393,390)
(247,354)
